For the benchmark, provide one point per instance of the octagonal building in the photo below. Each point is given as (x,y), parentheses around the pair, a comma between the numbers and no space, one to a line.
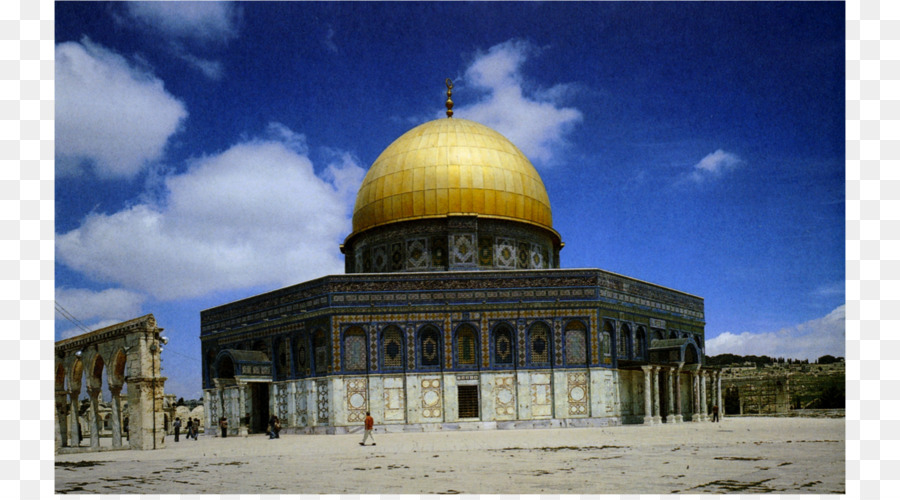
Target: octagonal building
(454,314)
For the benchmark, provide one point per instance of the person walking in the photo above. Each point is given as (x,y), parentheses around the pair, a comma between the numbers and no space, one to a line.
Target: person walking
(370,425)
(715,413)
(177,426)
(196,428)
(274,427)
(223,424)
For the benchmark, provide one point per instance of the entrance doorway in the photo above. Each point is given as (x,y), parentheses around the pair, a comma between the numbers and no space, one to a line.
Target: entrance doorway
(663,397)
(259,407)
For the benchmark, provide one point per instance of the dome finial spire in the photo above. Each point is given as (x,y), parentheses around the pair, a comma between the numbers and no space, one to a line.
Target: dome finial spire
(449,101)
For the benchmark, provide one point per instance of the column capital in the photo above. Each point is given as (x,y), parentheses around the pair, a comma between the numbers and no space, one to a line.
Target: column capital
(647,369)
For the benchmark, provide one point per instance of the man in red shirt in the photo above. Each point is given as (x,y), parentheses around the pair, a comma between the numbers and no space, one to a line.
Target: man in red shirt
(370,424)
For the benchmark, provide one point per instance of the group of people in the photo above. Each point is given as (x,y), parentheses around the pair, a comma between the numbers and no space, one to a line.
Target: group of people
(274,429)
(191,428)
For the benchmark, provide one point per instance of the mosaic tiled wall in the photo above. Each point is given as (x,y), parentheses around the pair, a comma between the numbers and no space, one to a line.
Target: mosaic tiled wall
(351,289)
(281,400)
(458,243)
(323,410)
(211,403)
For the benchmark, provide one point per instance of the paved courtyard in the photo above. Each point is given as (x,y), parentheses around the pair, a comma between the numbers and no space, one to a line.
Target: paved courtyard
(738,455)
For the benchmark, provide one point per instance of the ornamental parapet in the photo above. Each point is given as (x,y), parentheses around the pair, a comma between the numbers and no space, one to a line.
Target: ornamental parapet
(452,289)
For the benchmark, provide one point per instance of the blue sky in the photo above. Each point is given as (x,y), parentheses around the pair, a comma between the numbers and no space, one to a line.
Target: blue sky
(206,152)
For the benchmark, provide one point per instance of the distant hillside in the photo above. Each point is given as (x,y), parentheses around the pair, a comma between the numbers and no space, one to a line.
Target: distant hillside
(760,361)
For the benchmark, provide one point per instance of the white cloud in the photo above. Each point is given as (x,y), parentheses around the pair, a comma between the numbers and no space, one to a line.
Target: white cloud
(256,214)
(714,164)
(537,124)
(809,340)
(109,112)
(104,308)
(203,21)
(214,70)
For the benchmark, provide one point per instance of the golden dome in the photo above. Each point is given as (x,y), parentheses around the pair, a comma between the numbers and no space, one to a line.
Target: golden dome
(447,167)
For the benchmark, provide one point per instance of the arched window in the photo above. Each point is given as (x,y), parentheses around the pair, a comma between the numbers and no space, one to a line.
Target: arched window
(622,341)
(302,355)
(466,347)
(225,368)
(606,339)
(429,347)
(576,344)
(283,357)
(639,340)
(504,345)
(539,344)
(392,348)
(355,349)
(691,356)
(320,351)
(210,366)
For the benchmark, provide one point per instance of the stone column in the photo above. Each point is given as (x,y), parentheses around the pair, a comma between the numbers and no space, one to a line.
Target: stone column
(670,416)
(115,415)
(679,418)
(94,421)
(218,402)
(243,397)
(695,396)
(656,418)
(73,422)
(721,402)
(704,415)
(648,416)
(62,427)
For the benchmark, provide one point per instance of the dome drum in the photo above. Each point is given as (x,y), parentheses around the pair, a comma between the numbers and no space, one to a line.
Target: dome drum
(453,243)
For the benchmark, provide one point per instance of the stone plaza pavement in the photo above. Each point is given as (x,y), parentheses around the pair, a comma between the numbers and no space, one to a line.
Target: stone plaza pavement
(750,455)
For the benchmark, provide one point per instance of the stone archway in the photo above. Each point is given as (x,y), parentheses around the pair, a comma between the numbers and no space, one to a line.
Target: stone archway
(129,354)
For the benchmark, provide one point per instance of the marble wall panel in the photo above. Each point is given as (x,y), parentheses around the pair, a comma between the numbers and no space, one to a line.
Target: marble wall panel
(394,400)
(503,395)
(541,395)
(431,399)
(606,396)
(302,394)
(577,394)
(356,392)
(451,400)
(323,407)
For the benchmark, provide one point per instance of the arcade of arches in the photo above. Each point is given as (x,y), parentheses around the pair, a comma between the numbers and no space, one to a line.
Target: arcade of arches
(122,355)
